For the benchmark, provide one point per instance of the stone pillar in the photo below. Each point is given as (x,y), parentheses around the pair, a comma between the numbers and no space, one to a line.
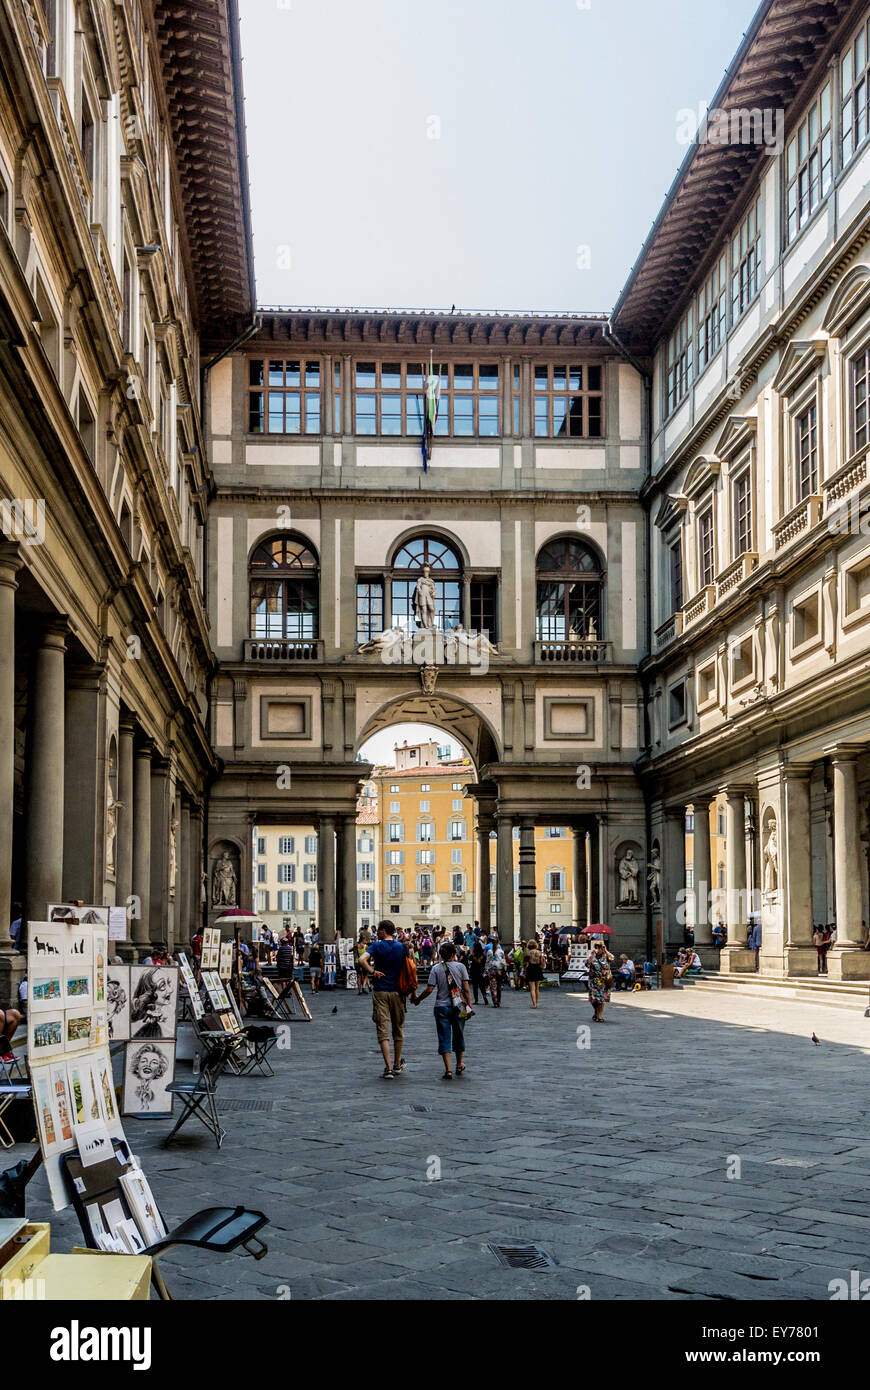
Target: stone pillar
(12,963)
(86,785)
(484,916)
(528,883)
(580,917)
(735,866)
(596,836)
(195,865)
(674,896)
(504,880)
(795,872)
(702,873)
(158,918)
(124,834)
(347,923)
(326,879)
(44,878)
(847,960)
(183,931)
(141,922)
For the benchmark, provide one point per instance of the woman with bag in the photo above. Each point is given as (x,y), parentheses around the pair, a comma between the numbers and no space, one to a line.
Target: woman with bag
(535,961)
(600,980)
(452,1007)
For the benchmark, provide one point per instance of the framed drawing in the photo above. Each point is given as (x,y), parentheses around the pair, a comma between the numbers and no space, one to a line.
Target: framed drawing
(62,912)
(79,1025)
(46,1036)
(95,916)
(101,952)
(45,992)
(77,986)
(118,1002)
(149,1067)
(153,1001)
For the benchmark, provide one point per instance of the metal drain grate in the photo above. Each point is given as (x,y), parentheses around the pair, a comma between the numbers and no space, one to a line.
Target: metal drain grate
(421,1109)
(265,1105)
(522,1256)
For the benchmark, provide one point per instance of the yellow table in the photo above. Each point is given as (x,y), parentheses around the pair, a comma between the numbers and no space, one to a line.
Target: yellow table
(88,1276)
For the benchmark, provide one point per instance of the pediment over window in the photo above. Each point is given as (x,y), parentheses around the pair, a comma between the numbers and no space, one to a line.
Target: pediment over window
(740,431)
(671,511)
(851,299)
(701,475)
(799,359)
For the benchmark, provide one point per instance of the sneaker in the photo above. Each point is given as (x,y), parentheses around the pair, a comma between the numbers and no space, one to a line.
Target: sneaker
(387,1074)
(6,1057)
(400,1068)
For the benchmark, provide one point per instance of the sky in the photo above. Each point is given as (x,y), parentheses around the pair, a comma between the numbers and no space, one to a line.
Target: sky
(487,154)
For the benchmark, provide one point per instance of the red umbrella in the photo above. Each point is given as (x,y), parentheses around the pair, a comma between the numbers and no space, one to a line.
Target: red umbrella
(598,929)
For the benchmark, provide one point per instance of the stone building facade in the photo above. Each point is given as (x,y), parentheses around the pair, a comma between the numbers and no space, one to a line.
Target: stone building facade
(113,259)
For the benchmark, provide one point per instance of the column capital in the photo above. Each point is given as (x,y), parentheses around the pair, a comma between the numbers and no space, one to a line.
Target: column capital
(797,772)
(11,560)
(53,632)
(738,791)
(127,725)
(844,752)
(145,748)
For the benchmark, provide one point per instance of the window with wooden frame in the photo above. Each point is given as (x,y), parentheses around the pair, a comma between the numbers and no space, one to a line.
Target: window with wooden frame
(859,385)
(517,401)
(806,453)
(675,561)
(746,261)
(570,582)
(389,399)
(712,313)
(568,401)
(680,362)
(284,590)
(741,512)
(369,609)
(284,395)
(855,93)
(706,548)
(809,163)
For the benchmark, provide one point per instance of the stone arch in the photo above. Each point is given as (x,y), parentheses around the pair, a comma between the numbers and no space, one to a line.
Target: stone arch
(455,716)
(423,528)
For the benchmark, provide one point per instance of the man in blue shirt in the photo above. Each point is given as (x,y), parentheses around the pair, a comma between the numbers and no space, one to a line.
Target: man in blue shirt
(385,958)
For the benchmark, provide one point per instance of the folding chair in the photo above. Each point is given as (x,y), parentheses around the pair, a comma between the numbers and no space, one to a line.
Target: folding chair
(11,1073)
(197,1096)
(8,1094)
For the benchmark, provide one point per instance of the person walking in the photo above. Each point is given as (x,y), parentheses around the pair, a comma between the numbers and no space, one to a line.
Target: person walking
(452,1000)
(495,968)
(534,970)
(315,967)
(600,980)
(477,971)
(385,959)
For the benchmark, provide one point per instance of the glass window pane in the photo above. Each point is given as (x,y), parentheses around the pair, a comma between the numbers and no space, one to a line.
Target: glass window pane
(415,377)
(312,412)
(542,416)
(391,415)
(560,408)
(292,413)
(255,371)
(366,415)
(391,375)
(312,373)
(366,374)
(442,424)
(276,373)
(276,413)
(415,414)
(255,417)
(488,376)
(294,373)
(542,378)
(593,378)
(463,416)
(489,424)
(560,378)
(575,378)
(463,378)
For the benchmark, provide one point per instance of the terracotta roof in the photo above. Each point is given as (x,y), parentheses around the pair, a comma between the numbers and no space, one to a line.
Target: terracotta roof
(430,327)
(367,815)
(201,63)
(429,769)
(782,55)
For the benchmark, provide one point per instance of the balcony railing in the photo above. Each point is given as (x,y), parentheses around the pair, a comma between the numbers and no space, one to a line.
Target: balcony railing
(283,651)
(669,630)
(734,574)
(846,479)
(591,652)
(699,605)
(801,518)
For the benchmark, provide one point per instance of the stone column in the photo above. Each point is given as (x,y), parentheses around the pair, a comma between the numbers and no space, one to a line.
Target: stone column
(158,919)
(195,865)
(735,866)
(795,871)
(11,962)
(847,960)
(141,923)
(528,884)
(484,915)
(596,835)
(86,784)
(580,912)
(504,880)
(674,896)
(702,872)
(44,877)
(183,931)
(347,924)
(124,834)
(326,879)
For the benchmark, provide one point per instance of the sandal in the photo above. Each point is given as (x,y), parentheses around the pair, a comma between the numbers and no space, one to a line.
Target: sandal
(460,1069)
(447,1076)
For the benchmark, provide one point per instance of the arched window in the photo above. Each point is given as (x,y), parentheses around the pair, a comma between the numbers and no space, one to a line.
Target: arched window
(569,606)
(446,571)
(285,589)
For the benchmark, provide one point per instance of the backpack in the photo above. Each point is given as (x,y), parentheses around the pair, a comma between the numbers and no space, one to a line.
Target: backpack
(408,976)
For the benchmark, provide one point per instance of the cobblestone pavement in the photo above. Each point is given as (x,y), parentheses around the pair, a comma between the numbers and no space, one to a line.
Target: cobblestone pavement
(614,1157)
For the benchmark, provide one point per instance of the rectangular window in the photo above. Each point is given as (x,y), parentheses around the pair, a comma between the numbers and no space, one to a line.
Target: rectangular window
(365,873)
(806,454)
(457,786)
(457,883)
(390,399)
(855,89)
(457,830)
(568,402)
(482,595)
(859,384)
(517,403)
(745,261)
(283,396)
(809,163)
(424,884)
(395,833)
(366,900)
(680,373)
(742,513)
(369,610)
(286,901)
(310,844)
(425,787)
(261,873)
(261,845)
(395,856)
(426,856)
(424,806)
(676,571)
(337,423)
(555,881)
(286,844)
(309,873)
(426,831)
(711,313)
(309,901)
(394,885)
(554,832)
(456,856)
(395,808)
(286,873)
(88,139)
(706,549)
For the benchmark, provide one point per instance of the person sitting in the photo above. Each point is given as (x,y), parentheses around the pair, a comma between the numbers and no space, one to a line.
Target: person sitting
(9,1021)
(691,963)
(625,975)
(719,935)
